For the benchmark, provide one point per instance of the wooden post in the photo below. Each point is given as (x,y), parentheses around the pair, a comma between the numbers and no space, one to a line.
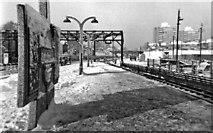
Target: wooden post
(193,68)
(211,69)
(169,66)
(178,66)
(148,62)
(159,72)
(153,61)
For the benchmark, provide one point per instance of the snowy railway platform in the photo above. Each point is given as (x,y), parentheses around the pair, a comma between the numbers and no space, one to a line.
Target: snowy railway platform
(107,98)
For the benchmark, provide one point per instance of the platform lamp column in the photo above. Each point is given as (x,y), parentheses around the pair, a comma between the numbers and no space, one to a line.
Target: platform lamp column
(81,24)
(88,54)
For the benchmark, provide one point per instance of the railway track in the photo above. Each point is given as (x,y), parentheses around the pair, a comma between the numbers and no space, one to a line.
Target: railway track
(196,92)
(6,74)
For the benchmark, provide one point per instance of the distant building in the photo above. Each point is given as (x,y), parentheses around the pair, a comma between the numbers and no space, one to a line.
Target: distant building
(189,36)
(165,33)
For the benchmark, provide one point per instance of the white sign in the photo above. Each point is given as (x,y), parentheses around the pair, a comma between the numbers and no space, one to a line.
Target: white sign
(6,58)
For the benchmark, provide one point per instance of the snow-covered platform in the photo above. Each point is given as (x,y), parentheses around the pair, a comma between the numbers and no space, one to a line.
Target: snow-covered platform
(107,98)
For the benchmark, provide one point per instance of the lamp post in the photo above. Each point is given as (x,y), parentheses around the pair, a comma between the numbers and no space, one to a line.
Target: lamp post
(178,23)
(81,24)
(201,30)
(173,46)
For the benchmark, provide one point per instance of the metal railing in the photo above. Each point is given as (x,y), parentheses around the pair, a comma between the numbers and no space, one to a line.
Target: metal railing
(198,83)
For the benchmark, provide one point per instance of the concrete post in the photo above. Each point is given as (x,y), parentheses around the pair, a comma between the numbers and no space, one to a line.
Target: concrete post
(169,66)
(193,68)
(122,43)
(44,9)
(211,69)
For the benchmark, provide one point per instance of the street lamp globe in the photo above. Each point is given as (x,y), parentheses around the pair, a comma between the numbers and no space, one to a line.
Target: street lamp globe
(94,20)
(67,20)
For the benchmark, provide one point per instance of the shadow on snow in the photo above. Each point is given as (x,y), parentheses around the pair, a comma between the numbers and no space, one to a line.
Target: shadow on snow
(115,106)
(98,73)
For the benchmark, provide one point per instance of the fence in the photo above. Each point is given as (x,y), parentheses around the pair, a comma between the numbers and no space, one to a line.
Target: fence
(196,82)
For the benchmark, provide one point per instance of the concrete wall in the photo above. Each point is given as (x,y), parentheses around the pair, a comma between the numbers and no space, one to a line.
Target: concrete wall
(184,54)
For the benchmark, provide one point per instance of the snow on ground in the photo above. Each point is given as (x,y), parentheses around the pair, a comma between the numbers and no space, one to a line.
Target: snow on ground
(107,98)
(135,62)
(78,84)
(11,117)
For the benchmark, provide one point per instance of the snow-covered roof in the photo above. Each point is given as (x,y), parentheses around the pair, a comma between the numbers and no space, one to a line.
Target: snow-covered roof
(165,24)
(192,43)
(153,47)
(209,41)
(204,64)
(152,44)
(163,44)
(62,41)
(188,28)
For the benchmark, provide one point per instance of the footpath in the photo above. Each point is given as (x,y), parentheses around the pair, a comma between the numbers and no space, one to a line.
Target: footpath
(107,98)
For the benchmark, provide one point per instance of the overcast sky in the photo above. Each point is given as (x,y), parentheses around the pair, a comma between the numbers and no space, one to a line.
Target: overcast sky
(136,19)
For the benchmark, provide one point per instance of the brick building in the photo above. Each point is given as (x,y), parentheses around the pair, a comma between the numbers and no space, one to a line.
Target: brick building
(9,46)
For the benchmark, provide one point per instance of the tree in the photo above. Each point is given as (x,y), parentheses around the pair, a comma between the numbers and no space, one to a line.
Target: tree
(10,26)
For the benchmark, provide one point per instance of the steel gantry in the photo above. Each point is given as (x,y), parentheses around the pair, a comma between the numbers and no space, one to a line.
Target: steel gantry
(107,36)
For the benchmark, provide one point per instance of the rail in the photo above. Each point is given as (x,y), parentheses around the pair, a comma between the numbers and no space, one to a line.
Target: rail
(202,85)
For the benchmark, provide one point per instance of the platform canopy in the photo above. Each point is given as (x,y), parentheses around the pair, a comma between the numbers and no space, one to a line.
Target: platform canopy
(107,36)
(96,35)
